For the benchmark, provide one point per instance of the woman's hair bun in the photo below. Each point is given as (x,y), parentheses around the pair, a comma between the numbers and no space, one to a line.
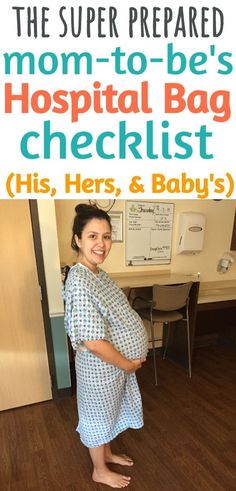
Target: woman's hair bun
(83,208)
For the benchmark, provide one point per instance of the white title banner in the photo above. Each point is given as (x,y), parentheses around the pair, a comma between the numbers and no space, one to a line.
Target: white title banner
(117,100)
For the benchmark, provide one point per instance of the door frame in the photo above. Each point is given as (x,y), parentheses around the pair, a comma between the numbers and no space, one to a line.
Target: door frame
(56,393)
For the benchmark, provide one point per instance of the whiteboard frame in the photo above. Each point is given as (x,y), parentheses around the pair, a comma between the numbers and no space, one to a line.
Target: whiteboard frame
(143,262)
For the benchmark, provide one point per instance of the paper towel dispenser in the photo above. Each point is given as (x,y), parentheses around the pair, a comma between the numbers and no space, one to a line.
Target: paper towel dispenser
(191,233)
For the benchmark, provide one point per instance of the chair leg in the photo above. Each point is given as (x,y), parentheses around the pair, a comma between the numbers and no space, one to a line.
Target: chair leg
(154,352)
(189,350)
(167,338)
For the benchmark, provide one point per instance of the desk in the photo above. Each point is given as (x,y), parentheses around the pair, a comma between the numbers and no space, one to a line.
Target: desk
(211,307)
(216,313)
(177,347)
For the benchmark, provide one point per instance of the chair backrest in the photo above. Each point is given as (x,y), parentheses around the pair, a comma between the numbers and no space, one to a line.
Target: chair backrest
(171,297)
(126,291)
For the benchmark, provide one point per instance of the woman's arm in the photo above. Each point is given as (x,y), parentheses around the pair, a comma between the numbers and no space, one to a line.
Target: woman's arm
(104,350)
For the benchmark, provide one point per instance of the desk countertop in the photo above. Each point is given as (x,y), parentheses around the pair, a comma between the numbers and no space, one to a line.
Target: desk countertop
(150,278)
(217,291)
(211,291)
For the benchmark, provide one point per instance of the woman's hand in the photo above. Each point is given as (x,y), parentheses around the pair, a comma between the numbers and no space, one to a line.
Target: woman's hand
(104,350)
(135,365)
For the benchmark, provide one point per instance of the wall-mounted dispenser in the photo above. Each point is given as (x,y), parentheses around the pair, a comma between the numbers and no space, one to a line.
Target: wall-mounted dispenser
(191,233)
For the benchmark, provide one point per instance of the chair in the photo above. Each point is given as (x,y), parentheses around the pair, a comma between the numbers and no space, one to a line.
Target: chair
(127,292)
(169,303)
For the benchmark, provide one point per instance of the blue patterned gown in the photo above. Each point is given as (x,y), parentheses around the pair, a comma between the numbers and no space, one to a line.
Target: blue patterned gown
(108,398)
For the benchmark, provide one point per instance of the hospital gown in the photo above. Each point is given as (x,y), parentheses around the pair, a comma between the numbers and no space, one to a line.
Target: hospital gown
(108,398)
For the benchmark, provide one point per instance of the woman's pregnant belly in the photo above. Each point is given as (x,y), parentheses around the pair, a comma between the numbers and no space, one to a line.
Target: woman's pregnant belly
(132,343)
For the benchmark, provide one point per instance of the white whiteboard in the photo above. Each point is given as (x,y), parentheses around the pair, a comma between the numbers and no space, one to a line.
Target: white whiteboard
(148,232)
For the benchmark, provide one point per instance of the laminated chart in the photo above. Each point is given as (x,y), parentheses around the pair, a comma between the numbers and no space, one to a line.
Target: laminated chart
(149,232)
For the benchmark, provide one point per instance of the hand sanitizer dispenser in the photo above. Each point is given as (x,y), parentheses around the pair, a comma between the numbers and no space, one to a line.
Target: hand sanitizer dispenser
(191,233)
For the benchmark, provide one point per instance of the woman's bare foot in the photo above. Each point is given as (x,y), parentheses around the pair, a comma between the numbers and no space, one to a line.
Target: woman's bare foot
(111,478)
(121,459)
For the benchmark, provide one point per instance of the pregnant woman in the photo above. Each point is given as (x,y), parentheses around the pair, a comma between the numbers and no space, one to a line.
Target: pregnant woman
(110,342)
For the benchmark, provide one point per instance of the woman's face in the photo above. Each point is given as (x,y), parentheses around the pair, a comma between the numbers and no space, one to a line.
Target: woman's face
(95,243)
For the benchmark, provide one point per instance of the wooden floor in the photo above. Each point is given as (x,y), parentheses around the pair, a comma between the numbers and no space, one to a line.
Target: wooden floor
(188,441)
